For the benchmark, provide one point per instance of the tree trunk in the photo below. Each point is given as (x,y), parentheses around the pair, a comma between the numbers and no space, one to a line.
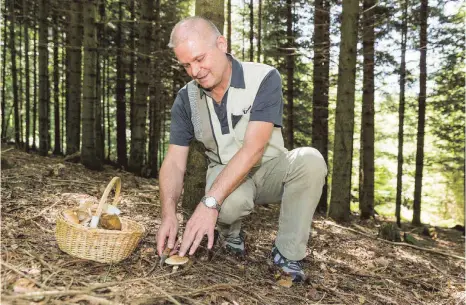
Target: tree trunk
(131,54)
(20,20)
(155,98)
(344,119)
(56,89)
(64,87)
(139,116)
(229,26)
(28,84)
(73,122)
(321,87)
(120,94)
(422,115)
(34,107)
(44,95)
(4,125)
(290,74)
(366,196)
(99,140)
(251,30)
(212,10)
(401,113)
(14,74)
(89,156)
(259,32)
(109,143)
(194,183)
(243,36)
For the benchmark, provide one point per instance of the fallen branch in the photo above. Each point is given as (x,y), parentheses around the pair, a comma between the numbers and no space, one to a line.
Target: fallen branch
(397,243)
(22,274)
(172,299)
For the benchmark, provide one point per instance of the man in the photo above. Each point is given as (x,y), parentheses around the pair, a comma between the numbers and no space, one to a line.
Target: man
(235,109)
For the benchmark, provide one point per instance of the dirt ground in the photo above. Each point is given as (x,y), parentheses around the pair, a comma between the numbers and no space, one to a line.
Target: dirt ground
(345,265)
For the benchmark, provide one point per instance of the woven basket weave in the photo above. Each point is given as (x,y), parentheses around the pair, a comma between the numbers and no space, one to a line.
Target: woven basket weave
(105,246)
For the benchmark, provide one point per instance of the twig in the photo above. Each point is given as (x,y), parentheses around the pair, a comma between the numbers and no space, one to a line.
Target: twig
(93,300)
(172,299)
(42,212)
(108,271)
(7,150)
(398,243)
(13,268)
(36,294)
(74,181)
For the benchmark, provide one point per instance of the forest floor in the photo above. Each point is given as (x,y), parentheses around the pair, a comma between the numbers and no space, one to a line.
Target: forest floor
(346,264)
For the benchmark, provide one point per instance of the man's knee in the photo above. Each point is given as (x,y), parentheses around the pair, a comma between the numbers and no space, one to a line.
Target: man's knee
(235,206)
(312,161)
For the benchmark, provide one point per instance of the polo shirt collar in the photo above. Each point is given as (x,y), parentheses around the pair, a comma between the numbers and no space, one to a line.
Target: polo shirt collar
(237,75)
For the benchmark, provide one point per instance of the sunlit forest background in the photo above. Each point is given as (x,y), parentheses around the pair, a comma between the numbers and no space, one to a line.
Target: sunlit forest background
(381,96)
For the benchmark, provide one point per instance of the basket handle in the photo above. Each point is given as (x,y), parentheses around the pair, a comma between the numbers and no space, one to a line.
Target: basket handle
(116,181)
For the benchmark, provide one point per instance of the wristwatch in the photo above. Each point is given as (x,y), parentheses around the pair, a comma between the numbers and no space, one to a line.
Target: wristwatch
(211,202)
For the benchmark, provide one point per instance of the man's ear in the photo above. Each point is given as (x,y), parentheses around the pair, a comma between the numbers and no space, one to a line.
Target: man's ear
(222,43)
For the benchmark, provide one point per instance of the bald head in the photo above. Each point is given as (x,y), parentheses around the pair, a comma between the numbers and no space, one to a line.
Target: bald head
(193,27)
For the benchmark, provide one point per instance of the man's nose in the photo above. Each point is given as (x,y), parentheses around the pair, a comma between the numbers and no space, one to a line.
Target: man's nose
(195,70)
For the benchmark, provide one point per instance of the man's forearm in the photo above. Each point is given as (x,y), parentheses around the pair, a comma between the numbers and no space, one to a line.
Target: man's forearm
(171,185)
(233,174)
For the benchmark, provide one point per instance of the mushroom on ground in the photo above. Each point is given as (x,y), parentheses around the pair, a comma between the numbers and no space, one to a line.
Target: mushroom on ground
(176,261)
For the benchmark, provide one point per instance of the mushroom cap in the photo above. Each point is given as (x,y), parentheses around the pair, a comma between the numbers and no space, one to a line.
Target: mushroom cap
(110,222)
(70,216)
(176,260)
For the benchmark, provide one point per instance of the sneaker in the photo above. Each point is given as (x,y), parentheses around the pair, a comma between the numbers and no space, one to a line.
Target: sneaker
(292,268)
(234,244)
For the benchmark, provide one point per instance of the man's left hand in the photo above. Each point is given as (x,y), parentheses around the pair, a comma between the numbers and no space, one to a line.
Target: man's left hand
(202,222)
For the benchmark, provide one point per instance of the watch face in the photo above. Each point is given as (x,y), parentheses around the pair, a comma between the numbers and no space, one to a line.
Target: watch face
(210,202)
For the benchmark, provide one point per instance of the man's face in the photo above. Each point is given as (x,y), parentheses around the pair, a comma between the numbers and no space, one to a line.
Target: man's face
(203,60)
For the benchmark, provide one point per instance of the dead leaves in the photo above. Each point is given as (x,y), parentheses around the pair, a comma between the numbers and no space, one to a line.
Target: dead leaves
(23,286)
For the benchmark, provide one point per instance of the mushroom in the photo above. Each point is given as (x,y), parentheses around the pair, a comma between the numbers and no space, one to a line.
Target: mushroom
(176,261)
(70,216)
(110,222)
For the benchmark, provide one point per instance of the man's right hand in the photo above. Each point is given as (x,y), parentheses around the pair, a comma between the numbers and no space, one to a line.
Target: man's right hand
(168,229)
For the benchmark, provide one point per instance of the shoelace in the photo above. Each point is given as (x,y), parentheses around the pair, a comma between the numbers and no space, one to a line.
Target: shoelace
(235,240)
(296,265)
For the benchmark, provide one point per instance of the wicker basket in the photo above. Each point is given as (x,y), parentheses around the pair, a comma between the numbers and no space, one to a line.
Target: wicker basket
(105,246)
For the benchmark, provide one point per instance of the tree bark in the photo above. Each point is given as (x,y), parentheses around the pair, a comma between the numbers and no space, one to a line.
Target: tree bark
(139,116)
(99,139)
(321,87)
(290,75)
(73,121)
(120,89)
(20,20)
(155,98)
(3,105)
(366,196)
(401,113)
(422,114)
(34,107)
(132,61)
(44,95)
(89,156)
(212,10)
(251,30)
(259,32)
(14,74)
(194,183)
(229,26)
(344,119)
(56,88)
